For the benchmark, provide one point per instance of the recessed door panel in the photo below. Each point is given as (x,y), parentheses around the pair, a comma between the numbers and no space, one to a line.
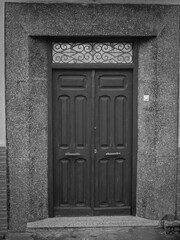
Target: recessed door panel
(80,120)
(119,184)
(119,120)
(104,127)
(80,182)
(64,118)
(64,181)
(103,181)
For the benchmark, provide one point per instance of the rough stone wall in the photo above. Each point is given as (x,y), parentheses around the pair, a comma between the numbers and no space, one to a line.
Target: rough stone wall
(27,129)
(3,191)
(178,186)
(38,134)
(158,76)
(178,169)
(27,98)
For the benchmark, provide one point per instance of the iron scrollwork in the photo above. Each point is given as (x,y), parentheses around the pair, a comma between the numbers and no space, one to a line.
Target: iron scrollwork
(105,52)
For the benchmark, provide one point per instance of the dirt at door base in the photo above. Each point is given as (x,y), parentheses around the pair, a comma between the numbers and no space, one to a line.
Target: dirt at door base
(99,234)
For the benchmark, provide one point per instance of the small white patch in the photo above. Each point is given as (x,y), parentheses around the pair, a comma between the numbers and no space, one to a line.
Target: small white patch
(146,98)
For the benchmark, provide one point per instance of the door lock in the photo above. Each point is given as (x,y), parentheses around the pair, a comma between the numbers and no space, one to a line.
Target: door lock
(95,151)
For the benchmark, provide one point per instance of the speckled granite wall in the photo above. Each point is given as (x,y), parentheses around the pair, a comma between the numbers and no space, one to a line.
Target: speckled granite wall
(38,129)
(27,98)
(3,191)
(178,186)
(157,124)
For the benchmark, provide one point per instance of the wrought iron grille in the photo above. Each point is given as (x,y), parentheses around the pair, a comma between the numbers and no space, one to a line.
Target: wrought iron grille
(105,52)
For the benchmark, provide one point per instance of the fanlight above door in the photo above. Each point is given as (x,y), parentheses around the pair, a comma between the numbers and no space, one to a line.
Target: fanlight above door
(104,52)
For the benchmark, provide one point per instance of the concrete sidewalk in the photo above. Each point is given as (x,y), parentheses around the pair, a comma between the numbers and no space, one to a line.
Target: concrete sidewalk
(132,233)
(94,228)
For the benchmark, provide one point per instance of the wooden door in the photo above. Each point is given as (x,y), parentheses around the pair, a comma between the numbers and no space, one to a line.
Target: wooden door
(113,142)
(92,139)
(72,141)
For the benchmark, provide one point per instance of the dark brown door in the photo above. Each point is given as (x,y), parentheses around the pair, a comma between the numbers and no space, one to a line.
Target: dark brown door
(113,142)
(72,141)
(92,137)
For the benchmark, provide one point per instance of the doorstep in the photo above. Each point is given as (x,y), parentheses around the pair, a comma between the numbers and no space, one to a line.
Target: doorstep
(92,222)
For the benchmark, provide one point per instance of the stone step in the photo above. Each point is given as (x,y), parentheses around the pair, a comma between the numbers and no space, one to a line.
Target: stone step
(92,222)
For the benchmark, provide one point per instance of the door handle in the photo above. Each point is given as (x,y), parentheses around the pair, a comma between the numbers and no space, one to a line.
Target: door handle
(113,154)
(72,154)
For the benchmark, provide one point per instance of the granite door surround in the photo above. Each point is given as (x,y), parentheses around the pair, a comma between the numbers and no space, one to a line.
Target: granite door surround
(29,26)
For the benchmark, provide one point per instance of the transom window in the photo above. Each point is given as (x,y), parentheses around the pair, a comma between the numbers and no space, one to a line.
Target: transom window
(104,52)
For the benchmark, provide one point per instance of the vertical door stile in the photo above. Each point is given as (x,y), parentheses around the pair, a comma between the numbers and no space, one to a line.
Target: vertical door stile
(93,146)
(72,149)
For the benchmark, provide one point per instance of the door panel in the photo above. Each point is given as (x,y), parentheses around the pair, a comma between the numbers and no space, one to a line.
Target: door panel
(72,140)
(92,113)
(103,114)
(113,142)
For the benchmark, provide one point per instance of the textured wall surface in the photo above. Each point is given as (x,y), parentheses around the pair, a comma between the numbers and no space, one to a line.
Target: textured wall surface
(27,98)
(2,80)
(178,187)
(157,122)
(3,191)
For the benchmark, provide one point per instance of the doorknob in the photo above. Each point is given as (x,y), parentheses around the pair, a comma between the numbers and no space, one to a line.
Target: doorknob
(113,154)
(72,154)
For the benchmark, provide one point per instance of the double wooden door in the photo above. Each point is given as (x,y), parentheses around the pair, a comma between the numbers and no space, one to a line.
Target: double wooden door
(92,142)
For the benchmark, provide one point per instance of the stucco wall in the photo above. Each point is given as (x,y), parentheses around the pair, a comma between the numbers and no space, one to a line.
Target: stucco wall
(27,96)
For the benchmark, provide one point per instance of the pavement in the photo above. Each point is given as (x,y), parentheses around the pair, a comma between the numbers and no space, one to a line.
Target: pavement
(127,233)
(95,228)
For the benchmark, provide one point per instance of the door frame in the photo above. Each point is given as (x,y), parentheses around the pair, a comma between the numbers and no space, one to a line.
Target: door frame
(134,67)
